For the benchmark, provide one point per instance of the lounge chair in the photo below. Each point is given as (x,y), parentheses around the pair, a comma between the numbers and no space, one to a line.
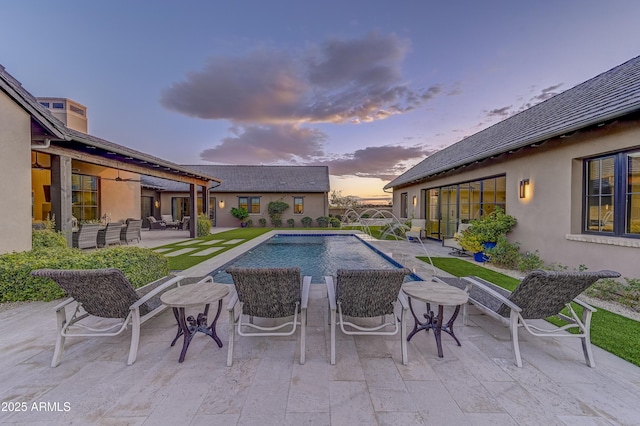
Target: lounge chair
(156,224)
(184,223)
(541,294)
(268,293)
(110,234)
(131,231)
(368,294)
(454,244)
(168,221)
(418,228)
(104,293)
(86,236)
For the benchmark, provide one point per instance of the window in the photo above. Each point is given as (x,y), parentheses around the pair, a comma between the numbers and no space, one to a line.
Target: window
(76,109)
(252,204)
(58,105)
(612,195)
(84,197)
(298,205)
(404,207)
(45,104)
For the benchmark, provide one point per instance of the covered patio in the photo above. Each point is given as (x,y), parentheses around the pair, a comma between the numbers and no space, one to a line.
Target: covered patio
(476,383)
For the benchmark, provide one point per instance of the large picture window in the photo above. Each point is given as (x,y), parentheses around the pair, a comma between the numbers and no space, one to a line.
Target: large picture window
(252,204)
(84,197)
(612,195)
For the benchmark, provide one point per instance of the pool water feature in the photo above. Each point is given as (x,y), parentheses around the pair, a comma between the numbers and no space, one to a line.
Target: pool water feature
(315,255)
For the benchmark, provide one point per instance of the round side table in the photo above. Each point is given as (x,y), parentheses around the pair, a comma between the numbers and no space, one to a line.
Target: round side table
(203,292)
(438,294)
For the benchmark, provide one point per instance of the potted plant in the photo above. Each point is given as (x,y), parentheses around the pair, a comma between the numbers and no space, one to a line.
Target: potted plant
(472,243)
(490,227)
(240,213)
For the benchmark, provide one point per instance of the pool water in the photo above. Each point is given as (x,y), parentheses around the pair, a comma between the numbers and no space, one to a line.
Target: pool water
(315,255)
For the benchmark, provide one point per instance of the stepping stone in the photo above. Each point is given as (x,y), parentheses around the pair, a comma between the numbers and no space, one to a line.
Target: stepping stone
(186,243)
(206,252)
(233,241)
(160,250)
(181,251)
(210,242)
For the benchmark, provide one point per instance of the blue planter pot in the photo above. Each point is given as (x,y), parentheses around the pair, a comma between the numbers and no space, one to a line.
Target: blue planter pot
(479,257)
(488,245)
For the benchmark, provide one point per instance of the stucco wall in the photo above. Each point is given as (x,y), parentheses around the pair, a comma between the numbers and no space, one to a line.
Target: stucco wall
(15,169)
(549,219)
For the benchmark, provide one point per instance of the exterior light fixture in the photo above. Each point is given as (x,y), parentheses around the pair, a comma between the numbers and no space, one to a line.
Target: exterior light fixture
(524,183)
(157,204)
(221,204)
(415,200)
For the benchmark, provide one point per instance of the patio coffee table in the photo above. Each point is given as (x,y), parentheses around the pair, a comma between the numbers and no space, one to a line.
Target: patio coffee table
(441,295)
(204,292)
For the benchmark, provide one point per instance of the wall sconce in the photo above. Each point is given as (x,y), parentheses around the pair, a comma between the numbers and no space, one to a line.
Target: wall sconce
(524,184)
(221,204)
(157,204)
(415,200)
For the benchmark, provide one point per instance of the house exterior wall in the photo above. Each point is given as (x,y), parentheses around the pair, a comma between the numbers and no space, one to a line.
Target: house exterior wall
(119,200)
(15,192)
(550,217)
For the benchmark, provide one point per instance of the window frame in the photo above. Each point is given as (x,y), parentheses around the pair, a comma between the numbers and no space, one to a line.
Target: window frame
(620,195)
(250,202)
(301,204)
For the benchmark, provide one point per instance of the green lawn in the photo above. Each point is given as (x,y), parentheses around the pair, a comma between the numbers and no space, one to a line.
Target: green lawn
(609,331)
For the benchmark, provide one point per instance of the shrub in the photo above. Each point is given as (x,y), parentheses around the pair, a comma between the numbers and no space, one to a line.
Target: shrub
(505,254)
(323,221)
(240,213)
(276,223)
(530,261)
(291,222)
(140,266)
(275,209)
(47,238)
(263,222)
(306,222)
(627,294)
(335,223)
(249,223)
(491,226)
(203,226)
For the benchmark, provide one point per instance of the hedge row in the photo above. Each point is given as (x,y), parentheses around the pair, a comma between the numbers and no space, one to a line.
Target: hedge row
(139,265)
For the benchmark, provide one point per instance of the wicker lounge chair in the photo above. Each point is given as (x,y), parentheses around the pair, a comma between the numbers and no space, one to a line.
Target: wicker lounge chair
(110,234)
(168,221)
(368,294)
(268,293)
(86,236)
(541,294)
(104,293)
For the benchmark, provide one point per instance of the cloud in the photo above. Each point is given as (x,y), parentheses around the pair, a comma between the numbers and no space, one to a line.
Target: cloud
(382,162)
(338,81)
(500,112)
(267,144)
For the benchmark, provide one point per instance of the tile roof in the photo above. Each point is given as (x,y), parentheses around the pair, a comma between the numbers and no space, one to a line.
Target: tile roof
(78,140)
(255,178)
(610,95)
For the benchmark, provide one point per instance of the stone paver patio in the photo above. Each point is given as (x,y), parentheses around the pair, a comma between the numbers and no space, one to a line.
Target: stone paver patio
(475,384)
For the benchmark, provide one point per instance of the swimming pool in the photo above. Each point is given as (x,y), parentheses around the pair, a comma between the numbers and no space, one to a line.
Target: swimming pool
(316,255)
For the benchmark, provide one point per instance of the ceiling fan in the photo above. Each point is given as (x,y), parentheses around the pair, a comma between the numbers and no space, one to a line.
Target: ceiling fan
(119,179)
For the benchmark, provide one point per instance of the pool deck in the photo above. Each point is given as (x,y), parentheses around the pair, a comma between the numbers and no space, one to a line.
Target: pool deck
(475,384)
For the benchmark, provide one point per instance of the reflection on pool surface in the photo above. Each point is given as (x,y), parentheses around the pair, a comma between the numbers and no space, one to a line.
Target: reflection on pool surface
(315,255)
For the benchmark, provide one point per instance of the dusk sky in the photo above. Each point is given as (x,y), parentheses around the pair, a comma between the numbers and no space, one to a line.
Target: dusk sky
(368,88)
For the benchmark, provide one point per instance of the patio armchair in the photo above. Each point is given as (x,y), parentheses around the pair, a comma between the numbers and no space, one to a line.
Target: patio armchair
(86,236)
(454,244)
(104,294)
(418,227)
(541,294)
(184,223)
(131,231)
(277,296)
(156,224)
(367,294)
(168,221)
(110,234)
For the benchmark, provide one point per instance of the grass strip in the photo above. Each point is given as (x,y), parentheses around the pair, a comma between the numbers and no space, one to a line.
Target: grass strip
(614,333)
(185,261)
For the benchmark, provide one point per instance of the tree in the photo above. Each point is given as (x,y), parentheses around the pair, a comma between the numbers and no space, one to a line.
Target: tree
(338,200)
